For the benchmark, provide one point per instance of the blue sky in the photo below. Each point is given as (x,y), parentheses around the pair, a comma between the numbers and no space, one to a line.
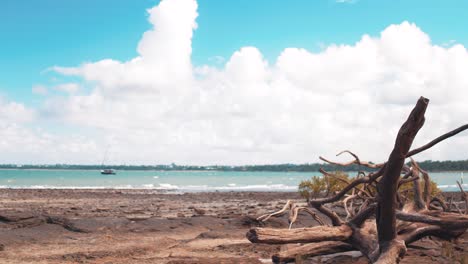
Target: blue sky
(256,82)
(40,34)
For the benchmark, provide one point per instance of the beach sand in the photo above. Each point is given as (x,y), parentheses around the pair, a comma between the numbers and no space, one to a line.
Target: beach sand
(145,226)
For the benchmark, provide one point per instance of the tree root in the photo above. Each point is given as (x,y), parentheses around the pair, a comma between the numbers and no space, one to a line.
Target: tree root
(383,223)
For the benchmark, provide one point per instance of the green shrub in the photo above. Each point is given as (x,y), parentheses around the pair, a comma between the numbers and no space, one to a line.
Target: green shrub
(337,183)
(313,187)
(326,185)
(409,186)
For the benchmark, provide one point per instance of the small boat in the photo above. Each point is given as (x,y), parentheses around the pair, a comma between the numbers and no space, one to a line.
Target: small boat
(108,171)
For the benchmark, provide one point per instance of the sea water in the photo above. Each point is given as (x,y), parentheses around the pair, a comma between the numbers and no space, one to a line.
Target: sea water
(179,181)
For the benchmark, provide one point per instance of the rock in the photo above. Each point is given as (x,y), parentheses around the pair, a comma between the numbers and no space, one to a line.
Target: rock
(15,217)
(181,215)
(211,235)
(138,217)
(199,211)
(250,221)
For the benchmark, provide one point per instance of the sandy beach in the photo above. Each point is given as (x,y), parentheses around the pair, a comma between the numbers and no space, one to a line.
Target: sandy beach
(145,226)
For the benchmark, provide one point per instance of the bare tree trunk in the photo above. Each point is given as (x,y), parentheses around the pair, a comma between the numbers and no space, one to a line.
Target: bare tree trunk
(380,240)
(387,187)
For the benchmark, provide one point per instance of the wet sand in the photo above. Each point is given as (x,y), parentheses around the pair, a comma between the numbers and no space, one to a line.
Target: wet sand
(145,226)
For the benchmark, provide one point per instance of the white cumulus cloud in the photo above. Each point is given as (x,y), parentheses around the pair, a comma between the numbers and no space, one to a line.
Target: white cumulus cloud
(68,87)
(39,89)
(13,112)
(159,108)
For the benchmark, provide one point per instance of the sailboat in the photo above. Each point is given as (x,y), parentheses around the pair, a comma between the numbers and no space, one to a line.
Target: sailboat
(106,171)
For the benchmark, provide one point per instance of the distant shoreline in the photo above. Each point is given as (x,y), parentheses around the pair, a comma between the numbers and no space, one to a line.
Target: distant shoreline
(207,170)
(159,191)
(429,165)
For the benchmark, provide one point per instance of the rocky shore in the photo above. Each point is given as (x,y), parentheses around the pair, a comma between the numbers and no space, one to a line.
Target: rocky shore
(147,226)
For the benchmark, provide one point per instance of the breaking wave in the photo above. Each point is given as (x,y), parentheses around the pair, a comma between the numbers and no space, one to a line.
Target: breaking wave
(172,187)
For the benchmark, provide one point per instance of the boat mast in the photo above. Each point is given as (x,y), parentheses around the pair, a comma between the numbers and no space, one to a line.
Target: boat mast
(105,156)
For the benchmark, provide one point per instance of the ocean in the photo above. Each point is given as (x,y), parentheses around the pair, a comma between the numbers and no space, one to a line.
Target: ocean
(178,181)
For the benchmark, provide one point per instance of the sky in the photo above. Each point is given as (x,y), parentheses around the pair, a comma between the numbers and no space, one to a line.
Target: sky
(227,82)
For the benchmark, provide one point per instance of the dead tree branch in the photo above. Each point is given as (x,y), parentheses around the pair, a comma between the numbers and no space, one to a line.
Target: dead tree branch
(373,207)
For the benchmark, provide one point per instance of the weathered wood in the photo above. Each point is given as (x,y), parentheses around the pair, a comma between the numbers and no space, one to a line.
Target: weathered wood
(380,240)
(265,217)
(392,252)
(386,220)
(437,140)
(406,180)
(420,230)
(316,203)
(363,215)
(311,250)
(427,187)
(419,204)
(356,161)
(464,196)
(295,212)
(442,203)
(335,219)
(299,235)
(356,187)
(364,238)
(445,220)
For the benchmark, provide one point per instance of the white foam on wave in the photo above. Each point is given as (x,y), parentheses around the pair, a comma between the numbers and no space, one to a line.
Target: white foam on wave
(258,187)
(167,186)
(67,187)
(452,186)
(197,188)
(155,177)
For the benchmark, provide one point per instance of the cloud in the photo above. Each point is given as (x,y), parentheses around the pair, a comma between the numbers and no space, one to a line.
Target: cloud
(21,144)
(217,59)
(39,89)
(68,87)
(159,108)
(164,55)
(15,136)
(13,112)
(449,43)
(346,1)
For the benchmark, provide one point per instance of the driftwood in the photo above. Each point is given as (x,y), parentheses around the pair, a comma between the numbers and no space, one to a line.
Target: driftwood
(299,235)
(381,219)
(465,196)
(311,250)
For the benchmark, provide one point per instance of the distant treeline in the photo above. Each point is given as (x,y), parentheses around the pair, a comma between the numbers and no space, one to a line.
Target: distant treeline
(460,165)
